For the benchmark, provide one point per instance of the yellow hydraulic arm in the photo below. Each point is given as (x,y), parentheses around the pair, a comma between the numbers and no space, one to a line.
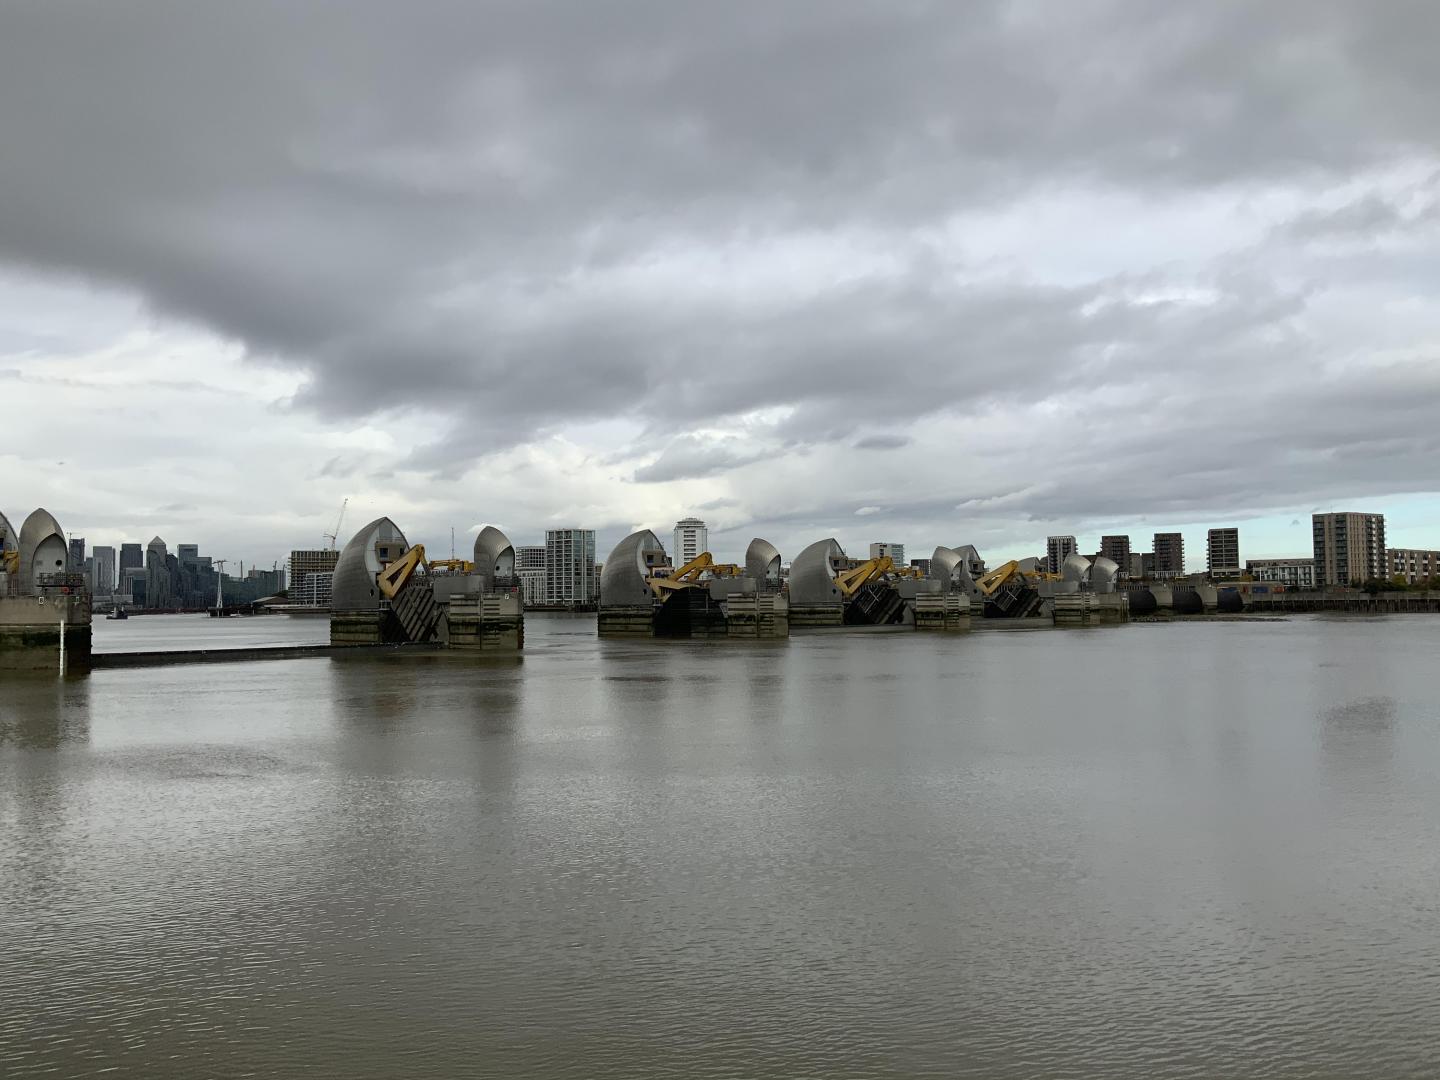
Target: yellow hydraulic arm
(850,582)
(991,582)
(393,578)
(10,561)
(684,577)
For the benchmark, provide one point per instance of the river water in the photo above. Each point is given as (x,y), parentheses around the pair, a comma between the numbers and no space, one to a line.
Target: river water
(1191,850)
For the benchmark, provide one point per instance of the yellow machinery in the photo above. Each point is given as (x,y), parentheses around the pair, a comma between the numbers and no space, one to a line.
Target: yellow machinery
(395,575)
(452,566)
(992,582)
(684,577)
(996,579)
(852,581)
(693,573)
(10,561)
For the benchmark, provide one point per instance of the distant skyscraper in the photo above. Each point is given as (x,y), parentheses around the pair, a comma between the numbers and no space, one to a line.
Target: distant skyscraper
(157,575)
(1057,550)
(187,553)
(883,548)
(1118,549)
(1169,555)
(1348,547)
(104,570)
(570,566)
(691,537)
(132,557)
(1222,552)
(304,562)
(77,554)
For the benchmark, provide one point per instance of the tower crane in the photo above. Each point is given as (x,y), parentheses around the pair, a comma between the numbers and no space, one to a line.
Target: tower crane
(334,536)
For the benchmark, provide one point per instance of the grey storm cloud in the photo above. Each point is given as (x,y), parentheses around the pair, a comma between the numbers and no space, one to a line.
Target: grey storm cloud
(524,215)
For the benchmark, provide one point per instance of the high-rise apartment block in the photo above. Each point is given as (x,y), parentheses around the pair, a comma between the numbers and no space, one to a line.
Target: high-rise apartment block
(1222,552)
(1057,550)
(303,563)
(1117,548)
(883,548)
(1348,548)
(570,576)
(1412,565)
(691,537)
(1169,552)
(77,554)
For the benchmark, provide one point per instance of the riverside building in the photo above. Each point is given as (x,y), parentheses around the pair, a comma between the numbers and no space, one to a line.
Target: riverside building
(1348,548)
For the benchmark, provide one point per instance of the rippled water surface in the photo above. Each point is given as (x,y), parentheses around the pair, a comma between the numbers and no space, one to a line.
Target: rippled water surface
(1192,850)
(185,633)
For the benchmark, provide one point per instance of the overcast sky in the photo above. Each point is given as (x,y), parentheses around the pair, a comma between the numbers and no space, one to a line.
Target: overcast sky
(923,272)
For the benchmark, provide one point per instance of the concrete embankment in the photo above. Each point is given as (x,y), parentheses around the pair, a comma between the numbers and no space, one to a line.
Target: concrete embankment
(232,656)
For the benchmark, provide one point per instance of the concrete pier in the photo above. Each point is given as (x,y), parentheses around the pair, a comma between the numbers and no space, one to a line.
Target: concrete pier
(30,632)
(942,611)
(492,623)
(803,615)
(1081,609)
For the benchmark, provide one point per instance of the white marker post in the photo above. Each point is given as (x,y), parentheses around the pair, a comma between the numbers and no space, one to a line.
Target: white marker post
(63,607)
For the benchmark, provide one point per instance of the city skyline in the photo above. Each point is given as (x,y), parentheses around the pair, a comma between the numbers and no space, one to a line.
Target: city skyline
(1262,538)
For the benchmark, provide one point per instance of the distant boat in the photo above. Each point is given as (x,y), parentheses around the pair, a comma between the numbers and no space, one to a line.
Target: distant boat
(118,613)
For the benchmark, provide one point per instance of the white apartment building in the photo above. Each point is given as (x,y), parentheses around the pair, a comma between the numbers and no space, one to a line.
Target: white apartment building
(883,548)
(570,576)
(690,538)
(1296,573)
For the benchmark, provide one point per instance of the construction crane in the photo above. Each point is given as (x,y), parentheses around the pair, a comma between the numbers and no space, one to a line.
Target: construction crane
(334,537)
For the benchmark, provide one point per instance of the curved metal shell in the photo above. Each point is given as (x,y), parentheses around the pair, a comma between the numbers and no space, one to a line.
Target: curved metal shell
(1074,568)
(1103,572)
(812,574)
(43,549)
(494,557)
(1030,565)
(8,540)
(943,561)
(762,564)
(353,587)
(623,580)
(971,558)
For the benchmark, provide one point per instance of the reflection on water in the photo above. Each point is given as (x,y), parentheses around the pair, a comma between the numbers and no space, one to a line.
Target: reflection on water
(999,855)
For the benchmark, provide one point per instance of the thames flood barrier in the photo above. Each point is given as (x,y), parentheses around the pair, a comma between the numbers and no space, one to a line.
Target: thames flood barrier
(44,605)
(643,596)
(387,592)
(829,589)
